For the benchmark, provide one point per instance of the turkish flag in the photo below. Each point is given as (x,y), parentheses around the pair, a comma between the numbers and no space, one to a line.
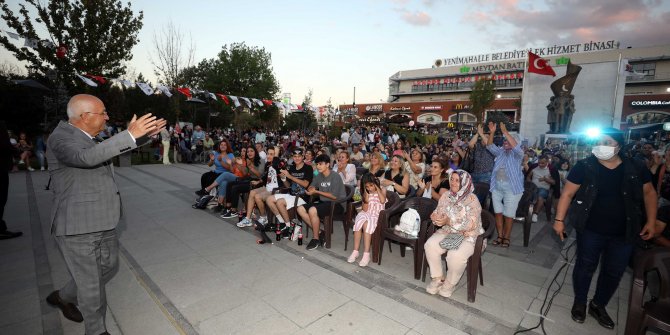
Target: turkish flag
(539,65)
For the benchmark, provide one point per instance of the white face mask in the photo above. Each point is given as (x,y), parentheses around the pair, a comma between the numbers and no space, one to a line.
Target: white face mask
(603,152)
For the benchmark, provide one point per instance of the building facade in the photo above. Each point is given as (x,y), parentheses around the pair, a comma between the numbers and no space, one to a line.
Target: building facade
(612,78)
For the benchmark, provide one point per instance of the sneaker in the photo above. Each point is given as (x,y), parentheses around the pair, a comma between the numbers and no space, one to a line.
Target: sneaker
(353,256)
(201,192)
(446,290)
(228,214)
(365,260)
(245,223)
(30,168)
(313,244)
(434,286)
(21,162)
(42,168)
(263,220)
(534,218)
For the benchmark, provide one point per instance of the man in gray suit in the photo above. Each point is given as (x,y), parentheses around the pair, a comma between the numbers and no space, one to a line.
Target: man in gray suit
(87,205)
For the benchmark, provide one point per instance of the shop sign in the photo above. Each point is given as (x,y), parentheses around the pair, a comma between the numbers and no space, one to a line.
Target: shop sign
(431,108)
(468,79)
(373,108)
(350,110)
(523,53)
(650,103)
(461,107)
(400,109)
(371,119)
(429,118)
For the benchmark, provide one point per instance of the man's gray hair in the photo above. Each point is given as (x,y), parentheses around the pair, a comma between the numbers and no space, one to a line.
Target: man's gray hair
(71,113)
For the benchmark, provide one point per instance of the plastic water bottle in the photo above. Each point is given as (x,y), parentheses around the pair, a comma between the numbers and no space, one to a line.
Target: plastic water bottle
(417,226)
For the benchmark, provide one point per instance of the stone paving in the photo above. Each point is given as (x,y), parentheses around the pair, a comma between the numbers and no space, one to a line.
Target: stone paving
(186,271)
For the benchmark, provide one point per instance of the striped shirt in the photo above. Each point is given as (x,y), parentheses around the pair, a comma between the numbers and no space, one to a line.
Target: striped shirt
(510,161)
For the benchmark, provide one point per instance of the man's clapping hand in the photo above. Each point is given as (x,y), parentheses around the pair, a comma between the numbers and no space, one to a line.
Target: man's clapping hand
(145,125)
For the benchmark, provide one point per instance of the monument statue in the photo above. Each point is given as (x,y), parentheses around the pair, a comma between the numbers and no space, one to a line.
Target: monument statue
(562,105)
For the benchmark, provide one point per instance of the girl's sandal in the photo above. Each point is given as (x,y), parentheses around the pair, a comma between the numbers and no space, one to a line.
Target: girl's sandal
(498,241)
(505,243)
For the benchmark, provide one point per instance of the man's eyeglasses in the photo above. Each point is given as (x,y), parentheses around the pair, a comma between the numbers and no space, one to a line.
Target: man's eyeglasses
(103,113)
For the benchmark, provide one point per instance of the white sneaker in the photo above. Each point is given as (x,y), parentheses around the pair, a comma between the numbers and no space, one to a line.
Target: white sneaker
(42,168)
(245,223)
(263,220)
(21,162)
(30,168)
(434,286)
(534,218)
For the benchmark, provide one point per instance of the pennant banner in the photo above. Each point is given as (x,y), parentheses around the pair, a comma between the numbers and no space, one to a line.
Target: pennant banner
(165,90)
(235,101)
(88,82)
(145,88)
(246,101)
(185,91)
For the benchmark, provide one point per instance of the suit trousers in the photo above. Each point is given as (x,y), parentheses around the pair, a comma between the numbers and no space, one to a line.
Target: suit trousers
(92,260)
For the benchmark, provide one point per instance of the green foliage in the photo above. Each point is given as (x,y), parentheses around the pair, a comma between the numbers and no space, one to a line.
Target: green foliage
(299,121)
(99,36)
(238,70)
(481,97)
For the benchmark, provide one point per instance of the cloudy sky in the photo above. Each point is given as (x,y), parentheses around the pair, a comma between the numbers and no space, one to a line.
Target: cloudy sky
(332,46)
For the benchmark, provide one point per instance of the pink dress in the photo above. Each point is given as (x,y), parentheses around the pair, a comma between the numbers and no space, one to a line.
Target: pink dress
(371,215)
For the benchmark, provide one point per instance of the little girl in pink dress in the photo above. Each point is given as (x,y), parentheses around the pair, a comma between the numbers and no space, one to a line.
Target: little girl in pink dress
(374,199)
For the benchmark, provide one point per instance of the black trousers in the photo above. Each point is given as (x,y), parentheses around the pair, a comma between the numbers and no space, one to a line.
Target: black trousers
(208,178)
(234,189)
(4,189)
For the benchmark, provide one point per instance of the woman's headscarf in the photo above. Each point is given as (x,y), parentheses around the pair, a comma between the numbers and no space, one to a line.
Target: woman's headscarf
(467,186)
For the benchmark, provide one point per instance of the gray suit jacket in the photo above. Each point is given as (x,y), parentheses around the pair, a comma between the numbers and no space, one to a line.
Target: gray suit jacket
(86,198)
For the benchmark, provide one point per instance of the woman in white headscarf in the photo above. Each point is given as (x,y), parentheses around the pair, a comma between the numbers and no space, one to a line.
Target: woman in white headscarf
(458,214)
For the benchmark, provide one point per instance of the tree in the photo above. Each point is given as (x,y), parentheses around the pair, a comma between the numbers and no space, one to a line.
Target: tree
(481,97)
(98,35)
(238,70)
(172,55)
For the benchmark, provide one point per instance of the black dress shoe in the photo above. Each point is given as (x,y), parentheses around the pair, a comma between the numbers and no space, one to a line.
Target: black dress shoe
(5,235)
(578,312)
(600,314)
(70,311)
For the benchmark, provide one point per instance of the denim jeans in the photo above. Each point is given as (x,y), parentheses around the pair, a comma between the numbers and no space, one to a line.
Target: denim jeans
(223,180)
(615,256)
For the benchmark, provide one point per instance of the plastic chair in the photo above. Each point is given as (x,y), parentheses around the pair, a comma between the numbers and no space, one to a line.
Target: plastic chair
(656,314)
(424,207)
(345,217)
(474,268)
(524,210)
(392,199)
(482,190)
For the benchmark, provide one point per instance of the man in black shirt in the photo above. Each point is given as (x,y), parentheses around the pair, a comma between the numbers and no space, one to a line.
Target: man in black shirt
(610,192)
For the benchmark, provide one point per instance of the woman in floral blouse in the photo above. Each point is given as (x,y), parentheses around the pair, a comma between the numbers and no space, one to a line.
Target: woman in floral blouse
(458,212)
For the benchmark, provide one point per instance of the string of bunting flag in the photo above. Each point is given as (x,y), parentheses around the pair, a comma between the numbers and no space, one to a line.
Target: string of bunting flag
(93,80)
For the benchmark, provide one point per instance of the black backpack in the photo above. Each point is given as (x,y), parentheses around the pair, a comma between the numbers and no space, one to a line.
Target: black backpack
(201,203)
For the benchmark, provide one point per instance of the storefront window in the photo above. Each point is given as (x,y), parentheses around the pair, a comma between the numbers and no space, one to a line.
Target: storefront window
(648,69)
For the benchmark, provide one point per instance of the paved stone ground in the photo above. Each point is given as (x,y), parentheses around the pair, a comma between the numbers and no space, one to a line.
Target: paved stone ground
(185,271)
